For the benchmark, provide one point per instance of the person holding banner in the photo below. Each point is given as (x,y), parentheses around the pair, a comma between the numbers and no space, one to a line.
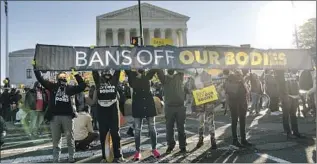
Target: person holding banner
(108,111)
(61,110)
(237,98)
(143,106)
(174,108)
(205,111)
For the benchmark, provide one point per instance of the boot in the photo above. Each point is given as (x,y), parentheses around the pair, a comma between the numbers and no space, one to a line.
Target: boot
(200,142)
(213,143)
(246,143)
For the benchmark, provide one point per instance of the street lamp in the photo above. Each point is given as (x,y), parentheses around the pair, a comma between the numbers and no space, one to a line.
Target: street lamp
(140,21)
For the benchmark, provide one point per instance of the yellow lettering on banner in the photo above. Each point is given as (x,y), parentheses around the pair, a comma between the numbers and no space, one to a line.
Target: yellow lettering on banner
(198,57)
(282,58)
(242,58)
(205,95)
(189,55)
(229,57)
(266,59)
(214,57)
(256,58)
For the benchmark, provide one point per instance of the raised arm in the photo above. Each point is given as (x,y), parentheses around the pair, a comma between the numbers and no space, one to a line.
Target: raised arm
(131,77)
(161,76)
(96,77)
(115,77)
(45,83)
(73,90)
(150,74)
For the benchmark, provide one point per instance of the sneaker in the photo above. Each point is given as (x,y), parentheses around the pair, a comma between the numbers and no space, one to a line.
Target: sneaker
(137,156)
(213,144)
(118,160)
(103,161)
(169,150)
(130,132)
(246,143)
(155,153)
(237,144)
(183,151)
(290,136)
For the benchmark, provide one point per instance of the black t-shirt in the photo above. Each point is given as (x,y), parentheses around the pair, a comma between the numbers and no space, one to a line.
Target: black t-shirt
(62,103)
(107,91)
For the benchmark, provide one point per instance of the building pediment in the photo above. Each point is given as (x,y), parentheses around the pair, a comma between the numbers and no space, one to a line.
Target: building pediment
(148,12)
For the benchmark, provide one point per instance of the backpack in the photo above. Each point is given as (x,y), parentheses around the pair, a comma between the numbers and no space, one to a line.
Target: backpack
(305,80)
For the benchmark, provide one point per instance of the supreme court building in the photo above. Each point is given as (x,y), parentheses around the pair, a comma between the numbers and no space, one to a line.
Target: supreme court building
(117,27)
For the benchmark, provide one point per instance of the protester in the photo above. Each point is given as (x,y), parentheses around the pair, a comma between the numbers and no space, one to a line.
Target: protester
(83,132)
(256,92)
(312,92)
(37,101)
(5,101)
(272,90)
(289,95)
(205,111)
(143,107)
(61,110)
(123,98)
(3,129)
(174,108)
(237,98)
(93,108)
(108,111)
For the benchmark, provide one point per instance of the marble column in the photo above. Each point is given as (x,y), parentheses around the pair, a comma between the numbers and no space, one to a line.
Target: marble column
(115,37)
(151,34)
(174,36)
(127,36)
(162,31)
(185,37)
(102,37)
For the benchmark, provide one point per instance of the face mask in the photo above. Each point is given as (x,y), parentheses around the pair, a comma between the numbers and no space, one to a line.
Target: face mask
(62,81)
(141,71)
(170,72)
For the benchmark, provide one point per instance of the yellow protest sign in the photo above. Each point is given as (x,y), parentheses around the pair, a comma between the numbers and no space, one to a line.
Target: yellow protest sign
(205,95)
(161,42)
(122,76)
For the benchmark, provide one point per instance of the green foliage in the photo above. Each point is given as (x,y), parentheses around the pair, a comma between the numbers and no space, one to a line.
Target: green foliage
(307,34)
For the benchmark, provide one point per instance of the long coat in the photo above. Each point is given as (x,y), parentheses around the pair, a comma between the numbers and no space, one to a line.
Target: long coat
(142,99)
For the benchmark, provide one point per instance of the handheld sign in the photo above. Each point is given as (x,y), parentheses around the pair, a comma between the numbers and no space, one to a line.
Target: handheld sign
(205,95)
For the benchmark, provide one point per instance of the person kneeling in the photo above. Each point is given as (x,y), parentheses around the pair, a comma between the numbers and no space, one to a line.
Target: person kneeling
(83,131)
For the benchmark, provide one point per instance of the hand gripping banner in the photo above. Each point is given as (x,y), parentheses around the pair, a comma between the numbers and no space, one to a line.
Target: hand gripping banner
(63,58)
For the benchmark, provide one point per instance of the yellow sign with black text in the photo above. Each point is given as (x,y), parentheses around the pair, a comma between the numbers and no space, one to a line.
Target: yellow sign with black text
(205,95)
(161,42)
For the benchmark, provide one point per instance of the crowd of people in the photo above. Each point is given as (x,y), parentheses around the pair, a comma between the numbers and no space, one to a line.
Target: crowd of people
(84,112)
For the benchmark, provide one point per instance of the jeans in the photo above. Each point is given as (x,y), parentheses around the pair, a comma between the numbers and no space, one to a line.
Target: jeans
(205,115)
(178,115)
(58,125)
(289,107)
(37,118)
(238,111)
(138,128)
(255,98)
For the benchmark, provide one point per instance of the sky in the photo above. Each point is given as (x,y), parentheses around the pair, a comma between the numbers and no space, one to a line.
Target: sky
(263,24)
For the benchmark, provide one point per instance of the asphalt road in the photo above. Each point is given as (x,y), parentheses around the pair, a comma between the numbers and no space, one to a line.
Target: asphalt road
(264,131)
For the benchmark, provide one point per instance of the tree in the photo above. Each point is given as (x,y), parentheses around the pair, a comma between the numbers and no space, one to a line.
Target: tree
(307,34)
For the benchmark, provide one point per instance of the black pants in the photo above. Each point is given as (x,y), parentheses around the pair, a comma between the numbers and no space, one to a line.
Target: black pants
(108,118)
(82,144)
(274,100)
(178,115)
(289,107)
(121,106)
(94,114)
(238,110)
